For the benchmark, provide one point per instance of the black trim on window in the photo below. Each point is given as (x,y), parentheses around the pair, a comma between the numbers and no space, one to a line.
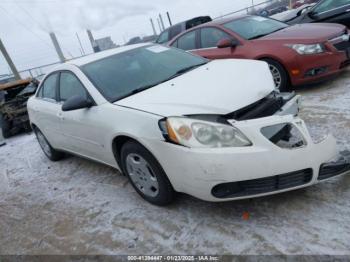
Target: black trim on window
(39,94)
(59,85)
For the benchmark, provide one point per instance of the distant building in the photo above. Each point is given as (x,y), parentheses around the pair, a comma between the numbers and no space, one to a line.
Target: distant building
(105,43)
(145,39)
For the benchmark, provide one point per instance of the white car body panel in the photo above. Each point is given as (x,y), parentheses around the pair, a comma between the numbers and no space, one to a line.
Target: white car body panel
(203,91)
(219,87)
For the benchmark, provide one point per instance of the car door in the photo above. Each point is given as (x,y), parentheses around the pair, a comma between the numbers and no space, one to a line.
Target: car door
(331,11)
(209,37)
(83,134)
(46,110)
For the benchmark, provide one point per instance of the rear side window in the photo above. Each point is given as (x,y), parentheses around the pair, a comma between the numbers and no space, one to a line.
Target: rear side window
(187,41)
(175,30)
(163,38)
(211,36)
(48,89)
(70,86)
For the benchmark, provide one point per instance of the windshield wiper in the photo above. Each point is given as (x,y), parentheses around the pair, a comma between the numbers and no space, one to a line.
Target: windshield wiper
(189,68)
(143,88)
(262,35)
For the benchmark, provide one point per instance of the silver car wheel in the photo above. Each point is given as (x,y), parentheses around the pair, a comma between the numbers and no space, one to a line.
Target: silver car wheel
(276,74)
(43,143)
(142,175)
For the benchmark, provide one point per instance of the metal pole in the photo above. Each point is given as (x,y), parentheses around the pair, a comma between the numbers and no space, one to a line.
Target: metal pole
(153,27)
(170,23)
(9,61)
(160,27)
(161,21)
(57,47)
(81,46)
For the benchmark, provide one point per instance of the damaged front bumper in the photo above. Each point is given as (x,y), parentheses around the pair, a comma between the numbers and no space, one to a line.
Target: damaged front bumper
(267,167)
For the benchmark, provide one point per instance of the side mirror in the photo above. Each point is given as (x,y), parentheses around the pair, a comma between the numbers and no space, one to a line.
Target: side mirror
(224,43)
(312,14)
(77,102)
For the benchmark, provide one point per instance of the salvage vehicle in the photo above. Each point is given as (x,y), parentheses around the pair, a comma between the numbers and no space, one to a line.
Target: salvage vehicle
(292,13)
(297,55)
(300,3)
(174,30)
(13,105)
(175,122)
(326,11)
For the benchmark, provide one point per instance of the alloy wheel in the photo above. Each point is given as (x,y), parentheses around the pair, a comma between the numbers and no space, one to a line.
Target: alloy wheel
(277,77)
(142,175)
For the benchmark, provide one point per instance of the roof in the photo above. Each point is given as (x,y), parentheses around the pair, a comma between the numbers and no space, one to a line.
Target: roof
(100,55)
(221,21)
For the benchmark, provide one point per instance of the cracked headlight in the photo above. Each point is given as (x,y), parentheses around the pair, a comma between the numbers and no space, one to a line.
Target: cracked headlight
(308,49)
(202,134)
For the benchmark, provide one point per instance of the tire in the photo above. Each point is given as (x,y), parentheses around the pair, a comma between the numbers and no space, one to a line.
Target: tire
(279,74)
(146,175)
(5,126)
(48,150)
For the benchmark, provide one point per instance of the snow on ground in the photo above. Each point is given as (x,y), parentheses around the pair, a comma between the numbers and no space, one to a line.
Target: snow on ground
(80,207)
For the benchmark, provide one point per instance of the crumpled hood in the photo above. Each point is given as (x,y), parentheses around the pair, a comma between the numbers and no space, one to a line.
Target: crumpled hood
(219,87)
(307,32)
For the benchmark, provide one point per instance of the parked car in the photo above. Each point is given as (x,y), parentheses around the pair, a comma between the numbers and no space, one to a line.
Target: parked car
(208,129)
(270,12)
(297,54)
(13,105)
(299,3)
(292,13)
(174,30)
(326,11)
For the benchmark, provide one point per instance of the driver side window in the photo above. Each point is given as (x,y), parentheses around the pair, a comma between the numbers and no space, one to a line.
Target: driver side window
(70,86)
(210,37)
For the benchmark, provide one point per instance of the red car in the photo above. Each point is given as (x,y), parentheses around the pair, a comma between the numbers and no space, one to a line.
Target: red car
(296,54)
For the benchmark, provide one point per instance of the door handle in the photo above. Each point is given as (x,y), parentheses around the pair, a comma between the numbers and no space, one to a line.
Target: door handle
(60,116)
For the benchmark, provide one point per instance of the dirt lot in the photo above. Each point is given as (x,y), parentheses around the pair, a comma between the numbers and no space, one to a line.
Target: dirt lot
(80,207)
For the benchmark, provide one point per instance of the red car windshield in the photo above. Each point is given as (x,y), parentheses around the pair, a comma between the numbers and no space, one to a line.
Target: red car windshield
(253,27)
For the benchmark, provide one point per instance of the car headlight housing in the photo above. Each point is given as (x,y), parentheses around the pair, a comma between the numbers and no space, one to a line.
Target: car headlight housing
(308,49)
(195,133)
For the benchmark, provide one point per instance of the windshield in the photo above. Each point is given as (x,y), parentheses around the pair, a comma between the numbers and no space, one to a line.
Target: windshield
(124,74)
(252,27)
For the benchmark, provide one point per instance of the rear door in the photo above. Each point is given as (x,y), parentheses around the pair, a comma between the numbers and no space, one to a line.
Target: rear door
(188,41)
(332,11)
(46,110)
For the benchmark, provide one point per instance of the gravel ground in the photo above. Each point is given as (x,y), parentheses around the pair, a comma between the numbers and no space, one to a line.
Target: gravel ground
(81,207)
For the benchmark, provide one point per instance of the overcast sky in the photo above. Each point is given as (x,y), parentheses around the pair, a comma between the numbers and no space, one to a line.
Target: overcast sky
(24,24)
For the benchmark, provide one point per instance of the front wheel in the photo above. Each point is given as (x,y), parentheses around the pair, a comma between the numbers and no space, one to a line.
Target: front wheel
(146,175)
(279,74)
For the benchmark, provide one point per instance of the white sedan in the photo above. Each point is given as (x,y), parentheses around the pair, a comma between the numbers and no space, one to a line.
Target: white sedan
(174,122)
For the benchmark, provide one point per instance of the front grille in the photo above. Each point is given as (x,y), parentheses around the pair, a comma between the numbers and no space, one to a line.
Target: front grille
(263,185)
(263,108)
